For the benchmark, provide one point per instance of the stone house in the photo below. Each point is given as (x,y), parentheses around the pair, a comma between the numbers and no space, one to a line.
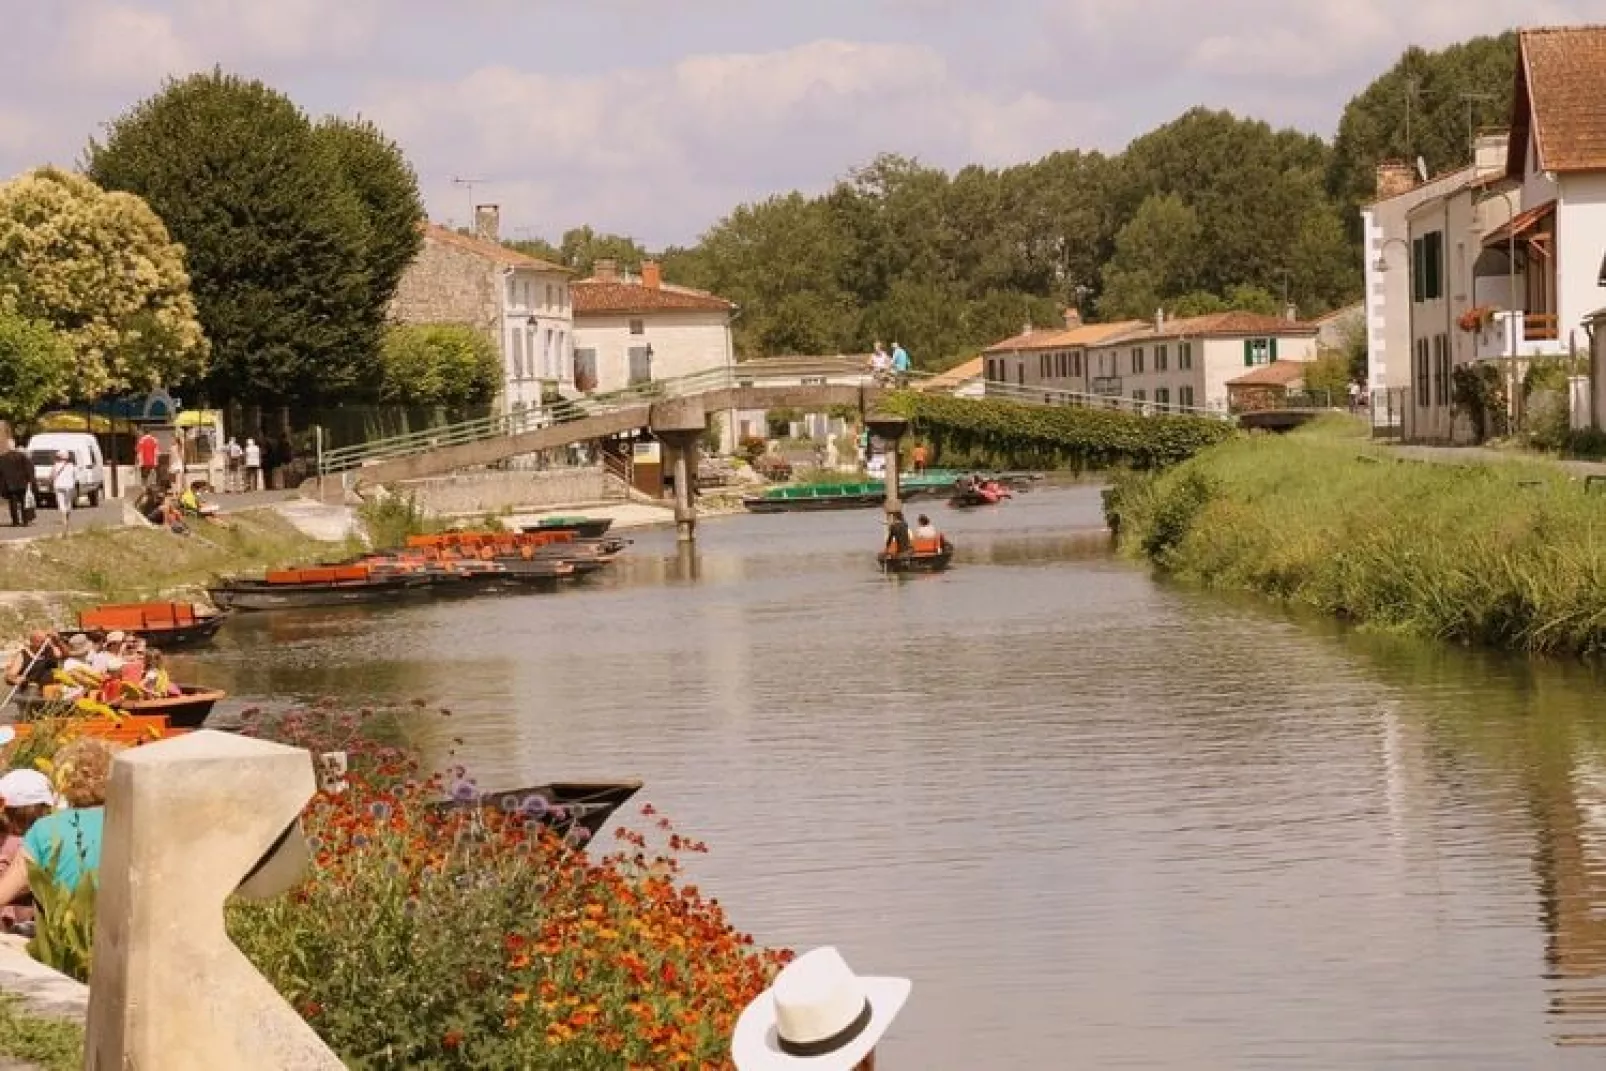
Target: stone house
(522,303)
(1267,387)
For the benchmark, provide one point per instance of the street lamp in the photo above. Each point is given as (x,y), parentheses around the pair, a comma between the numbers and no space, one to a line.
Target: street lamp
(1511,290)
(1381,264)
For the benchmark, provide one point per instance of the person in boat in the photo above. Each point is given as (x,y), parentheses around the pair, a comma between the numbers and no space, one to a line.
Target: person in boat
(80,655)
(66,843)
(36,662)
(817,1016)
(898,541)
(111,650)
(27,796)
(925,530)
(157,682)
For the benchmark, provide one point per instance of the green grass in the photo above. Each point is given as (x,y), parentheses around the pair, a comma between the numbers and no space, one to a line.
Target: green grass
(52,1044)
(1508,555)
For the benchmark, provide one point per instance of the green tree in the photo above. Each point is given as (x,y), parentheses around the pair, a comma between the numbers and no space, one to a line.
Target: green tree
(387,186)
(36,367)
(101,269)
(1329,374)
(439,364)
(1157,256)
(582,247)
(277,235)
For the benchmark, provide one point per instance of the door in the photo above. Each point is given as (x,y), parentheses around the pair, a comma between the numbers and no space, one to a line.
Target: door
(640,364)
(585,370)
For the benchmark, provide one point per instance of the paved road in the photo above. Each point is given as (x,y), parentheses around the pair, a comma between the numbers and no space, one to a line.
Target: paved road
(110,515)
(1462,455)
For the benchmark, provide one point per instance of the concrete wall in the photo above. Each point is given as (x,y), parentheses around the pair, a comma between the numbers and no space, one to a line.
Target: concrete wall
(682,342)
(491,492)
(1581,236)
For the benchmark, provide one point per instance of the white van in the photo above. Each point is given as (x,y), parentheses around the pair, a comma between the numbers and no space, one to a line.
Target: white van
(85,451)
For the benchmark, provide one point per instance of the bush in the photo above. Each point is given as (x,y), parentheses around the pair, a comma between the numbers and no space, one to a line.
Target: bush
(389,519)
(439,364)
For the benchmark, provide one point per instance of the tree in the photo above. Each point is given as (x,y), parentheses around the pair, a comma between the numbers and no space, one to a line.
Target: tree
(439,364)
(291,284)
(101,269)
(1156,257)
(582,247)
(36,367)
(387,186)
(1329,374)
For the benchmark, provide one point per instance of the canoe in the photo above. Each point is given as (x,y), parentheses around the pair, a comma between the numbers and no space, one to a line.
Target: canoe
(561,805)
(582,527)
(972,499)
(186,711)
(274,595)
(921,561)
(165,625)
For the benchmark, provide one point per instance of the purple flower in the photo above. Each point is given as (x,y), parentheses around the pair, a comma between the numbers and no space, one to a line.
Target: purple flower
(360,840)
(379,809)
(558,813)
(510,804)
(578,835)
(534,805)
(465,792)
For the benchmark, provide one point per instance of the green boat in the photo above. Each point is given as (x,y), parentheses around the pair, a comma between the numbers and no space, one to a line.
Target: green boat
(582,527)
(859,494)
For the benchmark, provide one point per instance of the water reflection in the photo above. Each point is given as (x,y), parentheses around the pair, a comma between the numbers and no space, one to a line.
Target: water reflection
(1103,822)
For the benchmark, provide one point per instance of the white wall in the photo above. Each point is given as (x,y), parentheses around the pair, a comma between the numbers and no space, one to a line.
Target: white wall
(682,342)
(1581,236)
(1224,361)
(540,351)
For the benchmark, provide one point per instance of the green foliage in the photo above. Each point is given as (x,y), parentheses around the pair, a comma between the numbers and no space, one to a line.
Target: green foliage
(1074,436)
(48,1044)
(103,271)
(1506,554)
(1329,374)
(1157,255)
(288,229)
(65,935)
(438,364)
(36,367)
(1479,390)
(390,518)
(779,421)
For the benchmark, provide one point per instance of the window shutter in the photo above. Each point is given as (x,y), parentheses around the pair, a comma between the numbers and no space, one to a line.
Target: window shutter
(1274,347)
(1418,269)
(1249,353)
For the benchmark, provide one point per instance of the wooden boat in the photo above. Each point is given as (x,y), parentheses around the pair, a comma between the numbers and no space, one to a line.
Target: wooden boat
(925,556)
(581,527)
(340,585)
(186,711)
(561,805)
(132,729)
(161,624)
(861,494)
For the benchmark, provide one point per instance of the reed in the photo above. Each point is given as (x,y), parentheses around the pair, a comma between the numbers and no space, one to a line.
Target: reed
(1509,555)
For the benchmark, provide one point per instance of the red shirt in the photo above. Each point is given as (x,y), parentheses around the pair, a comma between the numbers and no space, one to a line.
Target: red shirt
(147,449)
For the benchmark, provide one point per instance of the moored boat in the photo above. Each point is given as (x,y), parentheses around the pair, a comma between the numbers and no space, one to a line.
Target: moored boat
(561,805)
(324,586)
(581,527)
(187,710)
(164,625)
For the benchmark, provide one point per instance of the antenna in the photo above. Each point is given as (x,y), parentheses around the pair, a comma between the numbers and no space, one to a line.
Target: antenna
(470,183)
(1472,138)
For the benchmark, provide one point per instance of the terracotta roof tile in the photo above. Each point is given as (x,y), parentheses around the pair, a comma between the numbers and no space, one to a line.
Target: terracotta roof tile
(1053,338)
(595,297)
(1275,374)
(1561,91)
(491,251)
(1225,325)
(956,376)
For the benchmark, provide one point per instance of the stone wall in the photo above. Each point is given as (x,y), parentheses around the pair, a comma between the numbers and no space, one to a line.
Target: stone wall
(472,494)
(446,285)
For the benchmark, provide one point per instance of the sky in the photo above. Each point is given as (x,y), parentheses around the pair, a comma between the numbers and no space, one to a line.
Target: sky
(655,118)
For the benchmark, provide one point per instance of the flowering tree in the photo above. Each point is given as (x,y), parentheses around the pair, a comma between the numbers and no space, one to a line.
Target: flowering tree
(101,270)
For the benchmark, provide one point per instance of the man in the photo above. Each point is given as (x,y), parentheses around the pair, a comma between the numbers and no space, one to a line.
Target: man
(146,452)
(924,529)
(817,1016)
(253,465)
(35,663)
(898,535)
(235,454)
(900,363)
(16,476)
(918,456)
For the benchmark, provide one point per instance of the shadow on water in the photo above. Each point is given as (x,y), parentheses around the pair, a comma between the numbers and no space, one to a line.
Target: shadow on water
(1101,821)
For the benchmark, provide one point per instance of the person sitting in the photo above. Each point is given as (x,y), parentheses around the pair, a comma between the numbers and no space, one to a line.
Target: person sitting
(27,796)
(66,844)
(157,682)
(190,501)
(924,529)
(898,535)
(34,664)
(80,655)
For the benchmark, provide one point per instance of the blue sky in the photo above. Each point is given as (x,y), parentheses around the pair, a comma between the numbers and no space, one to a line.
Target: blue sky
(655,117)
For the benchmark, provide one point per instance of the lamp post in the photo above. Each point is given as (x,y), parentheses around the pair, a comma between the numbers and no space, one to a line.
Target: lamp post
(1512,325)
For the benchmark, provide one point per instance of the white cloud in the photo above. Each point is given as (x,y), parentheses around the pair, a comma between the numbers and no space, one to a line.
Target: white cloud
(121,45)
(646,150)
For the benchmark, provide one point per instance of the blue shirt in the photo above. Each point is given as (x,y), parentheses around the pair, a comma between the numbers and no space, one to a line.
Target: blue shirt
(67,844)
(900,359)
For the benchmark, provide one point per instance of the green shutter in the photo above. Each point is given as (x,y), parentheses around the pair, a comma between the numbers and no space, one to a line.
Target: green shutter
(1273,353)
(1249,353)
(1418,268)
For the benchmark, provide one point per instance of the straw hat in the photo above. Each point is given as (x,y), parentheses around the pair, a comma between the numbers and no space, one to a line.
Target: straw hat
(818,1016)
(79,646)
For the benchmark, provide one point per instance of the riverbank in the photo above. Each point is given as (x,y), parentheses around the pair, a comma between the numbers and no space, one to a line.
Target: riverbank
(1510,556)
(45,580)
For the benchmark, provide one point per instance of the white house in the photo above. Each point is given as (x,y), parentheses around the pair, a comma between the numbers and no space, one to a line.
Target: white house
(521,302)
(1186,363)
(636,329)
(1053,359)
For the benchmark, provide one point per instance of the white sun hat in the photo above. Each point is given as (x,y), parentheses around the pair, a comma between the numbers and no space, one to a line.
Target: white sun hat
(817,1016)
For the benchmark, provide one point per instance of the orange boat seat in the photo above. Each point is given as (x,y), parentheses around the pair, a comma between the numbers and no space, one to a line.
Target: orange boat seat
(927,546)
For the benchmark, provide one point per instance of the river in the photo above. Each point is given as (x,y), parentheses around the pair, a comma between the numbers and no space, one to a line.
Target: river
(1101,821)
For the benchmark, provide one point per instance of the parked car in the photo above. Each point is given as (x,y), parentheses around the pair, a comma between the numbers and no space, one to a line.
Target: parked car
(85,451)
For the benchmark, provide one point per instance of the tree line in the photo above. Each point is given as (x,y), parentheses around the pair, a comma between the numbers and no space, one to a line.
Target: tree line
(219,239)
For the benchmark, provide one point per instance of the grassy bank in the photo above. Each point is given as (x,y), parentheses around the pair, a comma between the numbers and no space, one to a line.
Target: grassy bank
(48,1044)
(1508,555)
(136,563)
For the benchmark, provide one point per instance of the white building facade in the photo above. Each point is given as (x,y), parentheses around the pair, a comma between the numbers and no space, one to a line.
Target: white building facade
(630,330)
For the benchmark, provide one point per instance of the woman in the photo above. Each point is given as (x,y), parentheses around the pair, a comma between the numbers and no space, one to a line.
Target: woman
(817,1016)
(66,844)
(27,796)
(64,486)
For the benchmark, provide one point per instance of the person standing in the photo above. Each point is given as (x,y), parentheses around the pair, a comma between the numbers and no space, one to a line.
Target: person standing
(918,456)
(253,465)
(233,463)
(64,486)
(16,476)
(146,452)
(900,364)
(175,461)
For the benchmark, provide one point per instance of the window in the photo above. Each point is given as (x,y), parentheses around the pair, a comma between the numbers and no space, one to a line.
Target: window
(637,327)
(1422,373)
(512,292)
(518,353)
(1185,394)
(640,365)
(1427,267)
(1076,364)
(990,374)
(1020,373)
(1185,358)
(1138,396)
(1259,351)
(1162,398)
(1137,360)
(1160,359)
(1042,365)
(549,295)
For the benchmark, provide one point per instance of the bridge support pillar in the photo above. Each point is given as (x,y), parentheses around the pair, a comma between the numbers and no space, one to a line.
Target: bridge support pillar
(890,428)
(679,424)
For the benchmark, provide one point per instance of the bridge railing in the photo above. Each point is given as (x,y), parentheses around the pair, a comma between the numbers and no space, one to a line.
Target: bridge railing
(1028,394)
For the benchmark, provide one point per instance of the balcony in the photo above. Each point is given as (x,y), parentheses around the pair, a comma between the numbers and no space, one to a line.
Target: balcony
(1519,334)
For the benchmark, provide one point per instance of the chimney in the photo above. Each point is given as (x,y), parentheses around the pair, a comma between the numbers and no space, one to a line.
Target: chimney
(652,276)
(1159,320)
(488,222)
(1291,313)
(1073,319)
(1489,153)
(1027,329)
(1395,177)
(605,270)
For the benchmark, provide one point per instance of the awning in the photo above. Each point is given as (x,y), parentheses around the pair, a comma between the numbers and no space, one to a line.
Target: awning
(196,418)
(1521,225)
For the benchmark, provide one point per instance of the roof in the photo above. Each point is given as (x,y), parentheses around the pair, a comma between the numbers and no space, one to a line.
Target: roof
(956,376)
(1520,224)
(1443,182)
(1275,374)
(1357,309)
(1560,99)
(596,297)
(495,252)
(1058,338)
(1232,324)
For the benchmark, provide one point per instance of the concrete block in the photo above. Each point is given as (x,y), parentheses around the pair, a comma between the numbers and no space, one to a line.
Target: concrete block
(187,820)
(679,414)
